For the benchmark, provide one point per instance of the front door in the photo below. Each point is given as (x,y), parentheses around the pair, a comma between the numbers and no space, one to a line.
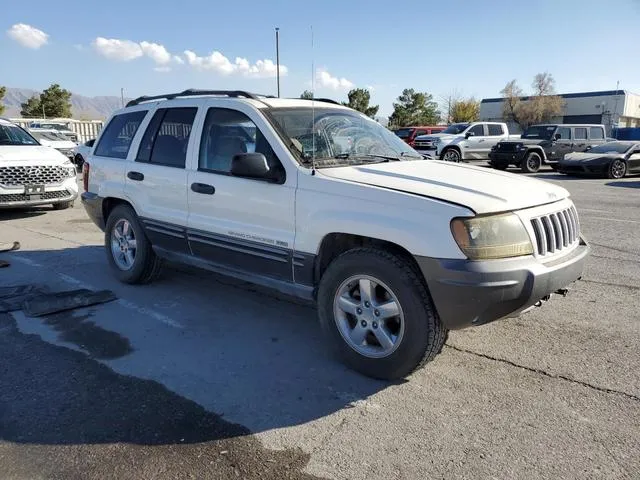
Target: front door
(562,144)
(157,179)
(475,144)
(244,224)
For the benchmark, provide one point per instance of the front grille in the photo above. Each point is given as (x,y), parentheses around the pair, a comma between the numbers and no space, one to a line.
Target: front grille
(556,231)
(21,197)
(424,143)
(506,147)
(32,175)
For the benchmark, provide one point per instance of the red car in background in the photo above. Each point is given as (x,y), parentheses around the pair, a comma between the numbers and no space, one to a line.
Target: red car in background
(409,134)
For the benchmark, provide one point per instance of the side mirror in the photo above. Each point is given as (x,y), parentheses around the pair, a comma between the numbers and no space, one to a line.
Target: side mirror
(557,136)
(250,165)
(469,134)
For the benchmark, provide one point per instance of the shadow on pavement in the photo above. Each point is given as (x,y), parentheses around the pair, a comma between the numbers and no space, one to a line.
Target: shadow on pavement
(624,184)
(18,213)
(243,353)
(560,176)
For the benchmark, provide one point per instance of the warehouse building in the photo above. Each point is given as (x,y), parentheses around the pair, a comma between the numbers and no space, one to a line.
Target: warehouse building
(612,108)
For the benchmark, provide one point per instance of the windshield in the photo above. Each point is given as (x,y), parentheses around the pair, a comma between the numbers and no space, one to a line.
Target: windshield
(53,136)
(14,135)
(337,137)
(612,147)
(543,132)
(455,128)
(403,132)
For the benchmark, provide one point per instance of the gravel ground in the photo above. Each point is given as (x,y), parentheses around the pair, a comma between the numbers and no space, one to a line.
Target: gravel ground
(199,376)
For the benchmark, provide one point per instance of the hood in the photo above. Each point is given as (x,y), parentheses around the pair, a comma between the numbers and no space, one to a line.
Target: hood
(586,156)
(433,136)
(483,190)
(14,155)
(527,141)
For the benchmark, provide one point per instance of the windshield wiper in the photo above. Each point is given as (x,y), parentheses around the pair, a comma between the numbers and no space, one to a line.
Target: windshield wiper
(363,156)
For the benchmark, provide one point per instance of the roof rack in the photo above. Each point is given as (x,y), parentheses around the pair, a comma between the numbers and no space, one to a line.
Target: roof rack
(193,92)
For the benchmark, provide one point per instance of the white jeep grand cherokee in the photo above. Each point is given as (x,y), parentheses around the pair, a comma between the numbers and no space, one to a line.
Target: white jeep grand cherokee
(32,174)
(319,201)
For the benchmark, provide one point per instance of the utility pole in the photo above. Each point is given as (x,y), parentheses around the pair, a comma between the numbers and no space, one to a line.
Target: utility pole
(122,96)
(278,58)
(43,115)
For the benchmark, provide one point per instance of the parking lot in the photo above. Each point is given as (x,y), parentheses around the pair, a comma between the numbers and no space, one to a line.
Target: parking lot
(200,376)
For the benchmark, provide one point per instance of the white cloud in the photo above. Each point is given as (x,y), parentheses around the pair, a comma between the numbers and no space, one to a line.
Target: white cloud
(28,36)
(325,79)
(163,69)
(115,49)
(178,59)
(218,63)
(156,52)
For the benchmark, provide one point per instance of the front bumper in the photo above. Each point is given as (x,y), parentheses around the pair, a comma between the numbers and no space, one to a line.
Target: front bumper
(468,293)
(506,158)
(15,197)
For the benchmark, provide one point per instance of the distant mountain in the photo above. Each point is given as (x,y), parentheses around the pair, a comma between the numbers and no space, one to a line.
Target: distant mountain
(83,108)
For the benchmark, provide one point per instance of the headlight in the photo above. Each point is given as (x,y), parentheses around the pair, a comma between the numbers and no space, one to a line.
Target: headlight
(436,141)
(492,236)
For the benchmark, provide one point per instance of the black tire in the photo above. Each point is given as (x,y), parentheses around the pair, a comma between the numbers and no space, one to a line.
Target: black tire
(424,334)
(79,162)
(453,152)
(617,169)
(531,163)
(147,264)
(62,205)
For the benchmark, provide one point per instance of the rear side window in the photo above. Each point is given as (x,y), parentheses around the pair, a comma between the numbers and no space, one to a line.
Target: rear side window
(580,133)
(596,133)
(421,132)
(116,139)
(167,137)
(495,130)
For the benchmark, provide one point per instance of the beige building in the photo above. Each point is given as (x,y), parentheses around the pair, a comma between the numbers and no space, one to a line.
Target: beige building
(612,108)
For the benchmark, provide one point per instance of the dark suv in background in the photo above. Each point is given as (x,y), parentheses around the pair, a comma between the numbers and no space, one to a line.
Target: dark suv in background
(545,145)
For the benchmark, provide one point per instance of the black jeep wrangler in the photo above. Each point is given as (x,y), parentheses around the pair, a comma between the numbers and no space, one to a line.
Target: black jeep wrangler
(545,145)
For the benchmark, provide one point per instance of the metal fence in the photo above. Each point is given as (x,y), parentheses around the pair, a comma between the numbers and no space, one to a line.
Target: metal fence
(85,129)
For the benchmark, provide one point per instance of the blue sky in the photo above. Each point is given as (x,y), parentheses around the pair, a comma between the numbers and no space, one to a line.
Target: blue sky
(472,47)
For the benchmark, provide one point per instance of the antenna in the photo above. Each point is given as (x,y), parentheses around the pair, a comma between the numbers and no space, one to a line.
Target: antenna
(313,109)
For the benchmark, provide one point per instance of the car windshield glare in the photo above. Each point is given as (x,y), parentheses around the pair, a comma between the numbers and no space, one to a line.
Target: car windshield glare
(613,147)
(541,131)
(455,128)
(14,135)
(337,136)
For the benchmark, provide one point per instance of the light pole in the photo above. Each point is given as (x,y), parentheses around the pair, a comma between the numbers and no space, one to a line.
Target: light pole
(278,58)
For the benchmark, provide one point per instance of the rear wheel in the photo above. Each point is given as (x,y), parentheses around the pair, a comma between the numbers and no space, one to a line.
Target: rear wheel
(377,314)
(451,155)
(129,252)
(617,169)
(532,163)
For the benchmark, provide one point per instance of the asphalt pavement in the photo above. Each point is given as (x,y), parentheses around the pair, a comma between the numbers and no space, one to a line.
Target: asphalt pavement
(200,376)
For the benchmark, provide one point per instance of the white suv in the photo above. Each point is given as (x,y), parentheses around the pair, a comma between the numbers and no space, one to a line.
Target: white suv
(319,201)
(32,174)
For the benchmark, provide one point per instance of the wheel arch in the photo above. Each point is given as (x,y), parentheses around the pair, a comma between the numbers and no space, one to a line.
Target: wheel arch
(538,150)
(451,147)
(109,203)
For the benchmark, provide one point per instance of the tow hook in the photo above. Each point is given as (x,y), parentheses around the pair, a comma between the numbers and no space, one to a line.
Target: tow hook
(562,291)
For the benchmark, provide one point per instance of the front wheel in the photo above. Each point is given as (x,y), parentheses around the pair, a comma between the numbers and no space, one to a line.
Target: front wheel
(377,314)
(129,252)
(617,169)
(532,163)
(451,155)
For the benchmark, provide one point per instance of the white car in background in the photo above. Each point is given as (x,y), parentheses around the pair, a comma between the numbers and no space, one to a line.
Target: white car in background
(81,152)
(62,127)
(32,174)
(54,139)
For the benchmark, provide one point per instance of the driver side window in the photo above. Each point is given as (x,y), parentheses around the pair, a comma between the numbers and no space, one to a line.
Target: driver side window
(227,133)
(477,130)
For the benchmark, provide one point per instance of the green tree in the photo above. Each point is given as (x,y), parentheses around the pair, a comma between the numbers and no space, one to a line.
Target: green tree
(32,108)
(414,108)
(3,90)
(541,107)
(53,102)
(465,110)
(359,99)
(306,95)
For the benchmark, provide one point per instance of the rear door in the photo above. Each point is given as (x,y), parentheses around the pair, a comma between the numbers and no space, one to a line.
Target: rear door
(580,139)
(596,136)
(475,144)
(157,178)
(495,133)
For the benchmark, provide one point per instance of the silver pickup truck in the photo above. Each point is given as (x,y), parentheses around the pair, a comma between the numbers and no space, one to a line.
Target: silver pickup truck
(464,141)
